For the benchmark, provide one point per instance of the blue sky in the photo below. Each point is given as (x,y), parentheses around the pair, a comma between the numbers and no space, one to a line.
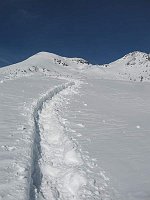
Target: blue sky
(97,30)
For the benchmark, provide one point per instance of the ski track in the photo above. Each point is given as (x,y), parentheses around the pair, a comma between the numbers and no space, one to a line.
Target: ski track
(60,170)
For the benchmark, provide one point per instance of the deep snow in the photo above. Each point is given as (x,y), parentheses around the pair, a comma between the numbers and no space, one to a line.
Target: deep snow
(71,130)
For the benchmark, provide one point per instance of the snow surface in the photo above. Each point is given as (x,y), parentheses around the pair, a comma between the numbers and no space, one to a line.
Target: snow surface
(71,130)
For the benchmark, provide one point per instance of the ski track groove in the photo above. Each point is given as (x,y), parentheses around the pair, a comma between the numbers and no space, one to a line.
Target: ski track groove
(59,170)
(36,152)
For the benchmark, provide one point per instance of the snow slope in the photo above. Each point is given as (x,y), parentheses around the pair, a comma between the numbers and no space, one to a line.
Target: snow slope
(68,131)
(110,120)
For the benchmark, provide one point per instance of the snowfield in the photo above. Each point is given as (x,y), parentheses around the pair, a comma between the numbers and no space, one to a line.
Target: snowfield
(70,130)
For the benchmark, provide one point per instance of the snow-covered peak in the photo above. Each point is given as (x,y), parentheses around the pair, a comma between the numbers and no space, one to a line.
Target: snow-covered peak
(136,54)
(60,59)
(71,63)
(47,63)
(134,66)
(48,55)
(133,57)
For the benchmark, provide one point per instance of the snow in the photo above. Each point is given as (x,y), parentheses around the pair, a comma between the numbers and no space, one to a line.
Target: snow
(16,133)
(116,133)
(71,130)
(131,67)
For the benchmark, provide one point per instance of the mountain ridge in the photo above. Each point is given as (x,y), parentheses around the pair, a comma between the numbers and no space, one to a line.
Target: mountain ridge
(134,66)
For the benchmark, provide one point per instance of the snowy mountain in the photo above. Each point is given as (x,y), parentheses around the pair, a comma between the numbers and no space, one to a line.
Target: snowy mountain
(134,66)
(46,63)
(70,130)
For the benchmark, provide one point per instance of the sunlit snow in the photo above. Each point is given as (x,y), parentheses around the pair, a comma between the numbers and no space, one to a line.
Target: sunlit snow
(71,130)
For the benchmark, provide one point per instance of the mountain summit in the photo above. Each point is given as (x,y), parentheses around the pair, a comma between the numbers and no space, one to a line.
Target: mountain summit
(134,66)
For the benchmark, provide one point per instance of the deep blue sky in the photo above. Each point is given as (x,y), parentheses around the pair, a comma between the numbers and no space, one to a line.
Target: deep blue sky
(97,30)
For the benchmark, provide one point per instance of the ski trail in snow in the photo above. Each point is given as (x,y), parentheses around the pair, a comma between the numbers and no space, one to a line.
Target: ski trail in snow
(36,107)
(60,171)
